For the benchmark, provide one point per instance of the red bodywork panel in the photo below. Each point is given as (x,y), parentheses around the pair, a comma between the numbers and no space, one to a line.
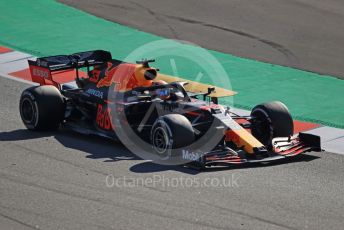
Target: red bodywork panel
(42,76)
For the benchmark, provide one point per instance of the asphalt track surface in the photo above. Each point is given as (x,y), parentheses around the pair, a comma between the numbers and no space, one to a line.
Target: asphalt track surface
(305,34)
(57,180)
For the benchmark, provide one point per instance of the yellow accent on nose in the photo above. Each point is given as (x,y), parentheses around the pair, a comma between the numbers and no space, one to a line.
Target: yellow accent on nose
(243,139)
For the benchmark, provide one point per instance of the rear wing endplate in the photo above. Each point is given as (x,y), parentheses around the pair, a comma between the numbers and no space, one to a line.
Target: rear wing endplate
(42,69)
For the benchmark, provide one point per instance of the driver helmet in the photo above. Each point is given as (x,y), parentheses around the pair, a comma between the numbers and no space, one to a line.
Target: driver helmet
(164,94)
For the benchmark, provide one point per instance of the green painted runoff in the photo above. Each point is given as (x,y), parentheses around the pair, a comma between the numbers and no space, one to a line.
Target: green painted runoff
(46,27)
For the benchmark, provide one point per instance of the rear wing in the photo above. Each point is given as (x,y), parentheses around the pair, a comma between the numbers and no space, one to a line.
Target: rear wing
(43,68)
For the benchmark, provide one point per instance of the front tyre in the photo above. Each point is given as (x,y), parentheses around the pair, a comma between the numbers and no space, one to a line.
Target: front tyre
(270,120)
(41,108)
(170,132)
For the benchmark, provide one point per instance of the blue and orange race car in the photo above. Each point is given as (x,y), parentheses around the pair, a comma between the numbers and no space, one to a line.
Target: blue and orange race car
(169,119)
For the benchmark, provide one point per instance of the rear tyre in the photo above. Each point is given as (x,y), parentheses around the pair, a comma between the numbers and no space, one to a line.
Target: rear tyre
(270,120)
(41,108)
(170,132)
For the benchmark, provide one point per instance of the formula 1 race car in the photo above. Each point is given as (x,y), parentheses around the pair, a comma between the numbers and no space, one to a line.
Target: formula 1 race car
(175,118)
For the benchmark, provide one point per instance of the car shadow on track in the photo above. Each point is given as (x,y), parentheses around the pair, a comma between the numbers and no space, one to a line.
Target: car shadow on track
(102,148)
(150,167)
(291,160)
(96,147)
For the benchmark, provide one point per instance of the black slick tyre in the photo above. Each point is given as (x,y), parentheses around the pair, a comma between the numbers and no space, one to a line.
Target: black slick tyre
(41,108)
(269,120)
(170,132)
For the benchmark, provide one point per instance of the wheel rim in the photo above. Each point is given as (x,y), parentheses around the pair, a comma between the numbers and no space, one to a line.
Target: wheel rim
(262,129)
(28,110)
(160,140)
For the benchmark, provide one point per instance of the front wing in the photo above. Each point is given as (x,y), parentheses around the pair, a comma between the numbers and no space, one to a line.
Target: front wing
(281,148)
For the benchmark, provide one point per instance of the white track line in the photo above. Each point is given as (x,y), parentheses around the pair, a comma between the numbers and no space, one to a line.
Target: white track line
(13,56)
(332,139)
(14,66)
